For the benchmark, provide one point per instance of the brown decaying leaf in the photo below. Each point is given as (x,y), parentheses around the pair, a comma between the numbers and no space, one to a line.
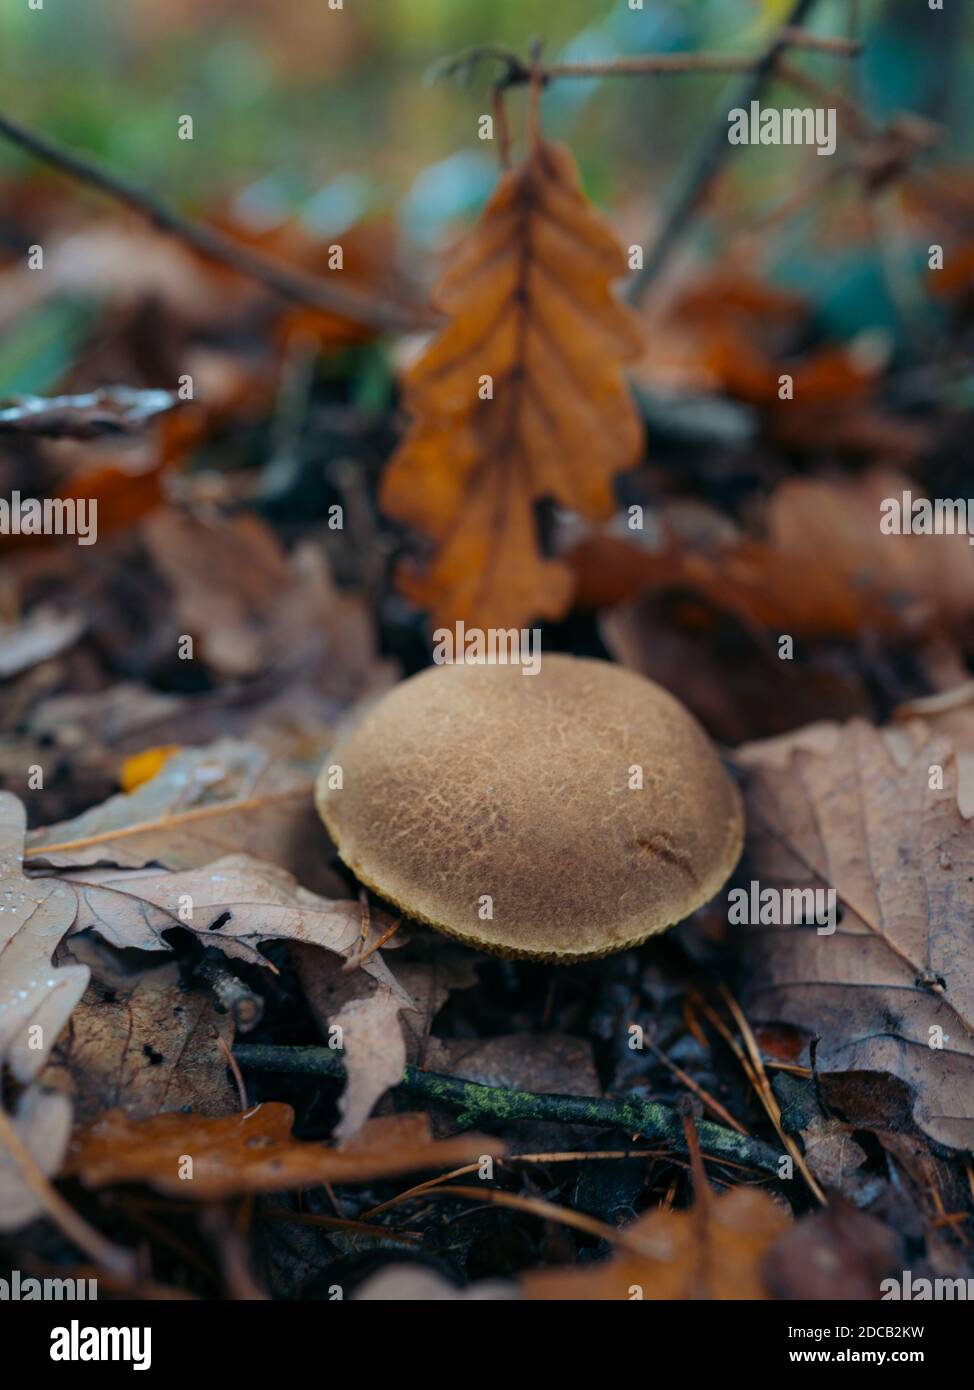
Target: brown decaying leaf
(256,1152)
(530,305)
(142,1043)
(824,570)
(713,1251)
(901,859)
(250,605)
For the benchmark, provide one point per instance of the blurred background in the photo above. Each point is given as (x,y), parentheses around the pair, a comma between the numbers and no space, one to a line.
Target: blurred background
(330,115)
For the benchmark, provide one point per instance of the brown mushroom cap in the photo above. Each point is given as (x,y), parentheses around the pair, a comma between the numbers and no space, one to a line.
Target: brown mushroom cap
(467,781)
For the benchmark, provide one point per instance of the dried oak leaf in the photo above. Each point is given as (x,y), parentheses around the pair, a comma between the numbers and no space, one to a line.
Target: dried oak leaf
(843,812)
(256,1152)
(713,1251)
(530,306)
(202,804)
(36,1000)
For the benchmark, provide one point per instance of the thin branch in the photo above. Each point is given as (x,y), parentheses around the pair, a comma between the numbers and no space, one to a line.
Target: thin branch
(476,1103)
(703,171)
(287,281)
(517,71)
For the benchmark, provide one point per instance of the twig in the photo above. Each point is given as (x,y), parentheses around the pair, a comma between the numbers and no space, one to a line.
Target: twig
(476,1103)
(563,1216)
(517,71)
(287,281)
(234,1066)
(710,158)
(244,1006)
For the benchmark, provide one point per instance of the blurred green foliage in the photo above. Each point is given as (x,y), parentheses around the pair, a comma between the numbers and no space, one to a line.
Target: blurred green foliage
(298,107)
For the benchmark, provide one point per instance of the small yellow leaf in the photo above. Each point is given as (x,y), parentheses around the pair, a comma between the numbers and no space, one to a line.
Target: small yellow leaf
(142,767)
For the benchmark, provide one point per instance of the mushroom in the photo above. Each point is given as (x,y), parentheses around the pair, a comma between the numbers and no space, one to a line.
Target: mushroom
(556,816)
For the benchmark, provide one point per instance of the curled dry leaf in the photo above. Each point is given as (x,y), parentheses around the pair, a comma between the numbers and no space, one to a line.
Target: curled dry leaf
(714,1250)
(233,904)
(531,312)
(892,989)
(252,606)
(366,1008)
(256,1152)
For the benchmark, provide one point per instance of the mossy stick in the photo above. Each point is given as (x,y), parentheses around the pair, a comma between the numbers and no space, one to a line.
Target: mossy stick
(475,1103)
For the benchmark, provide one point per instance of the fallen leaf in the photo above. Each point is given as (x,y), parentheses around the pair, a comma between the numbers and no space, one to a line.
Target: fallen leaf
(203,803)
(38,638)
(381,1034)
(366,1008)
(530,307)
(42,1120)
(36,1000)
(115,410)
(900,857)
(233,904)
(142,1043)
(824,570)
(256,1152)
(838,1253)
(142,767)
(713,1251)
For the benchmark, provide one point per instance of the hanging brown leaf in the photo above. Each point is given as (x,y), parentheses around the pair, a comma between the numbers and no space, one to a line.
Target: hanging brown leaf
(533,322)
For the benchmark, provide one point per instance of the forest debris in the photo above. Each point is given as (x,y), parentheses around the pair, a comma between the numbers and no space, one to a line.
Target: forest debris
(836,1253)
(366,1008)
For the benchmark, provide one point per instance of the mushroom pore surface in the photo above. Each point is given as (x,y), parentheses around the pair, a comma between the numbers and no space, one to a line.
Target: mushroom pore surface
(477,790)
